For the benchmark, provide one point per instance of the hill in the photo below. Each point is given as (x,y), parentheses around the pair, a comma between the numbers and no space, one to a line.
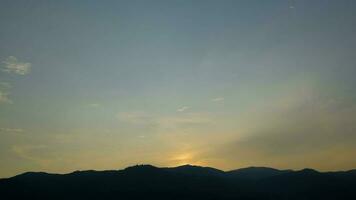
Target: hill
(183,182)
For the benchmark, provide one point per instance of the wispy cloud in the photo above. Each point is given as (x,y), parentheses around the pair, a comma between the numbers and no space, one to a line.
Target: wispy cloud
(142,136)
(35,153)
(135,117)
(188,119)
(217,99)
(4,97)
(182,109)
(164,122)
(5,85)
(94,105)
(13,65)
(11,130)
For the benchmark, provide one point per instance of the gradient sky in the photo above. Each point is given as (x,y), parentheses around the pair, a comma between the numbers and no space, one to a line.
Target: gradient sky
(223,83)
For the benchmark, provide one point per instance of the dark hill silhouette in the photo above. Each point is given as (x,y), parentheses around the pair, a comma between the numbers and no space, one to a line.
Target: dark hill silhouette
(196,170)
(255,173)
(184,182)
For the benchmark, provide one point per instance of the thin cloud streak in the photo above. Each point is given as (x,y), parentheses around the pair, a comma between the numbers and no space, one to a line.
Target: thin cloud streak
(218,99)
(182,109)
(5,85)
(4,98)
(11,130)
(94,105)
(13,65)
(4,95)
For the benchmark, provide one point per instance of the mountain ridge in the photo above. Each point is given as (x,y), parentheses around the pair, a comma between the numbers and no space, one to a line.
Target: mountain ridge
(178,167)
(182,182)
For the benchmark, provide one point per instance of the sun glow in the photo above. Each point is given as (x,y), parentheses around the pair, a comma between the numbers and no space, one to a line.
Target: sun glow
(183,159)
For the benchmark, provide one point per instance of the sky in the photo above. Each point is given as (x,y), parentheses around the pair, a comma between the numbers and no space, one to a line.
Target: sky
(220,83)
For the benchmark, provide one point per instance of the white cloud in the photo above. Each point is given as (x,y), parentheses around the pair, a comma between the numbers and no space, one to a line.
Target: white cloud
(11,130)
(13,65)
(4,97)
(217,99)
(182,109)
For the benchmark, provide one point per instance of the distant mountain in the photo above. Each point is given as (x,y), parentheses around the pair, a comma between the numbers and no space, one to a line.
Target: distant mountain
(256,173)
(183,182)
(196,170)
